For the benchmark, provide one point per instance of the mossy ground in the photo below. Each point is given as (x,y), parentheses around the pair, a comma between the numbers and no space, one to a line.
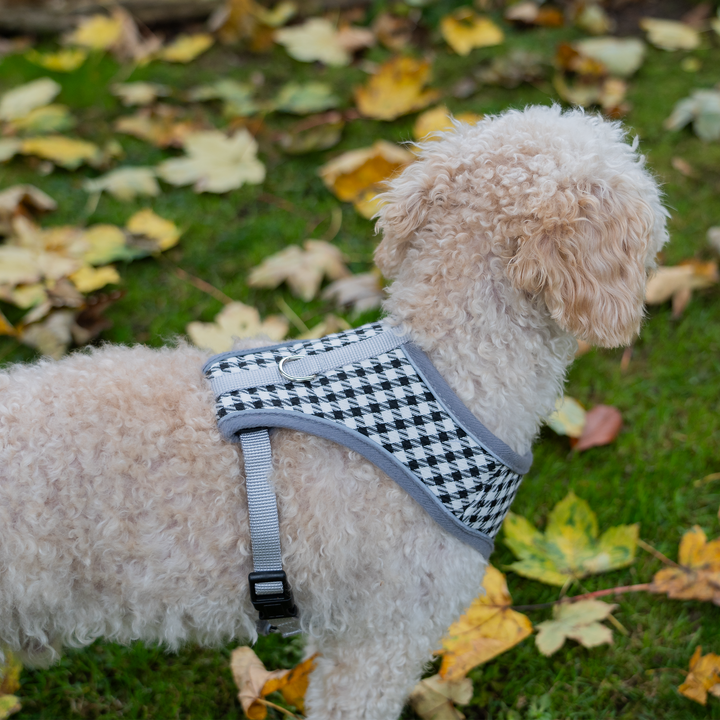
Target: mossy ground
(669,395)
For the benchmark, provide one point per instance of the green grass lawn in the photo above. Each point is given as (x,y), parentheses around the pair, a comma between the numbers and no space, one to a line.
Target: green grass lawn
(669,395)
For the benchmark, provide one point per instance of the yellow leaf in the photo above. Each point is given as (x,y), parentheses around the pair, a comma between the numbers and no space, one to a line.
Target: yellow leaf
(666,282)
(25,296)
(9,704)
(434,698)
(570,547)
(186,48)
(464,30)
(158,125)
(303,270)
(670,35)
(45,119)
(52,336)
(488,628)
(6,327)
(146,222)
(8,148)
(292,684)
(10,674)
(439,120)
(315,39)
(214,162)
(568,418)
(97,32)
(20,101)
(67,152)
(139,93)
(65,60)
(698,576)
(18,265)
(704,677)
(104,243)
(235,320)
(87,279)
(578,621)
(327,326)
(357,176)
(125,183)
(397,88)
(21,200)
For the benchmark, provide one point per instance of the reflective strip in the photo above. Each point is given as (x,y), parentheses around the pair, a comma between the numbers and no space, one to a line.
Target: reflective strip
(262,507)
(309,364)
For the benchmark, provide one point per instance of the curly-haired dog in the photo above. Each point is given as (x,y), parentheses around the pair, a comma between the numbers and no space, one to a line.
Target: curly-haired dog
(123,511)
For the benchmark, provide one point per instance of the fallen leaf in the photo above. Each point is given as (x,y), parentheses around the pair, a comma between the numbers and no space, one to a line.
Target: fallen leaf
(214,162)
(21,100)
(602,425)
(9,704)
(139,93)
(104,244)
(579,621)
(352,38)
(392,31)
(64,151)
(703,109)
(52,336)
(18,265)
(621,56)
(302,270)
(316,39)
(713,237)
(97,32)
(679,281)
(45,119)
(397,88)
(90,321)
(438,120)
(697,577)
(488,628)
(158,125)
(238,97)
(510,70)
(358,176)
(146,222)
(305,98)
(593,19)
(186,48)
(530,13)
(235,320)
(87,279)
(293,683)
(703,677)
(670,35)
(9,147)
(315,133)
(10,674)
(464,30)
(434,698)
(329,325)
(66,60)
(125,183)
(22,200)
(682,166)
(569,417)
(363,291)
(570,547)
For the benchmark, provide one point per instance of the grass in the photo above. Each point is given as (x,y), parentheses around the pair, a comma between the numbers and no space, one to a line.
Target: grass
(669,394)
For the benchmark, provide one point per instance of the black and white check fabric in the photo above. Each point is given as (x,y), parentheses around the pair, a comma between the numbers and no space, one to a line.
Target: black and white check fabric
(385,402)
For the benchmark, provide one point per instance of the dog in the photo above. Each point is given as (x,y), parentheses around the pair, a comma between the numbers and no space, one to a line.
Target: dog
(123,510)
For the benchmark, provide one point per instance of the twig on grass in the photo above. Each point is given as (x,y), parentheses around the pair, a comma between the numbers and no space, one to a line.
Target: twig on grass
(657,554)
(203,285)
(641,587)
(276,707)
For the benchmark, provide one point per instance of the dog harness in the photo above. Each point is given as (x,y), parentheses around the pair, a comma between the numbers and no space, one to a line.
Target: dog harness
(374,391)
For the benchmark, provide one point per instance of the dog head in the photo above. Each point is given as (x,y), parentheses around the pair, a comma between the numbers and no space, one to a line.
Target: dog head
(562,198)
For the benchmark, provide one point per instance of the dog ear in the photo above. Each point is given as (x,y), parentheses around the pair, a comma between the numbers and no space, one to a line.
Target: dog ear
(584,251)
(404,208)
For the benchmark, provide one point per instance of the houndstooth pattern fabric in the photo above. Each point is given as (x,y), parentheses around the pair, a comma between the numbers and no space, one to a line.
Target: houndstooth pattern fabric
(385,400)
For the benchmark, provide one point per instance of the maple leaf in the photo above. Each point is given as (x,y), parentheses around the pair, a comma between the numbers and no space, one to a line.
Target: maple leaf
(315,39)
(214,162)
(703,109)
(147,223)
(45,119)
(392,31)
(22,200)
(358,176)
(579,621)
(238,96)
(698,574)
(66,152)
(621,56)
(125,183)
(678,282)
(329,325)
(255,682)
(97,32)
(670,35)
(87,279)
(434,698)
(464,30)
(139,93)
(439,120)
(304,98)
(22,100)
(235,320)
(158,125)
(363,291)
(703,677)
(488,628)
(568,418)
(602,425)
(303,270)
(66,60)
(319,132)
(397,88)
(570,547)
(186,48)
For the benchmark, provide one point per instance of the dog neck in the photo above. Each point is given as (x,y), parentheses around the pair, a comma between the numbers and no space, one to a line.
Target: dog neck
(499,350)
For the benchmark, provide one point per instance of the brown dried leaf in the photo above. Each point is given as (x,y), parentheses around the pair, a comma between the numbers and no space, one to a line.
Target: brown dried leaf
(698,574)
(392,31)
(160,125)
(704,677)
(434,698)
(679,281)
(22,200)
(364,291)
(602,425)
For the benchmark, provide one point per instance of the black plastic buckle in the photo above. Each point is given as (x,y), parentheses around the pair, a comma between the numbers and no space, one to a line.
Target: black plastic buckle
(272,605)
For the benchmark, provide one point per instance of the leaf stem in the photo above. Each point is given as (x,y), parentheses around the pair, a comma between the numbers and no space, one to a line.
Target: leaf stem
(642,587)
(276,707)
(203,285)
(656,553)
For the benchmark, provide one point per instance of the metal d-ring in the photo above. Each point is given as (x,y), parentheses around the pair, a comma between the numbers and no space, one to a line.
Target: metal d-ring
(291,358)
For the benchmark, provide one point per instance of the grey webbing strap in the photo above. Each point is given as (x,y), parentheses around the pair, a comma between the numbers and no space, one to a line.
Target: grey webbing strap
(308,365)
(262,507)
(273,600)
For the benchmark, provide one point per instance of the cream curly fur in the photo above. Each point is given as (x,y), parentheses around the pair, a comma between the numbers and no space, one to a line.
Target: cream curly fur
(123,511)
